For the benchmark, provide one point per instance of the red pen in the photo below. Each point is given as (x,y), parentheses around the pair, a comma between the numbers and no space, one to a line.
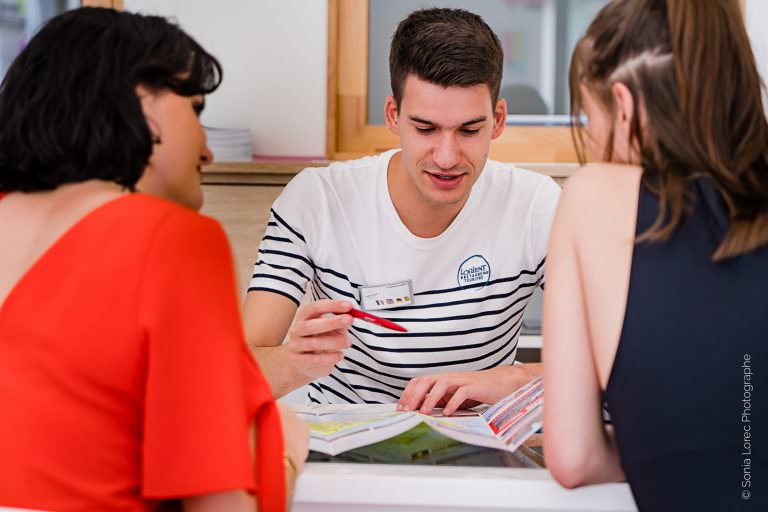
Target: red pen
(362,315)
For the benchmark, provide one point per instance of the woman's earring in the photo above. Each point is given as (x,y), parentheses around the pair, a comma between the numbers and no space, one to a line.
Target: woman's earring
(154,133)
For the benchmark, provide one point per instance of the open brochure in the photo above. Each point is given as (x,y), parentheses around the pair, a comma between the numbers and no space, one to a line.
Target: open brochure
(505,425)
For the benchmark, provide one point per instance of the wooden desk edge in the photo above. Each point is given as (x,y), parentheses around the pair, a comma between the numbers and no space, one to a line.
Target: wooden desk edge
(280,173)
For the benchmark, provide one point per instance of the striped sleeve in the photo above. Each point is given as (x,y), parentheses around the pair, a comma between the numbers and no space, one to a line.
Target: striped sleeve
(283,264)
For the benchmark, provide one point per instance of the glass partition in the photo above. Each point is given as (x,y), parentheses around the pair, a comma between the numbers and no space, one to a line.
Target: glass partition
(20,19)
(538,37)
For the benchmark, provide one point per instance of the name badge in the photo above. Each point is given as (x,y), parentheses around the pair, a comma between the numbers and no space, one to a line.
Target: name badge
(386,296)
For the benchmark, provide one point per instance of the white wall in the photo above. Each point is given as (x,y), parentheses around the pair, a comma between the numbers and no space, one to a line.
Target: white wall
(274,58)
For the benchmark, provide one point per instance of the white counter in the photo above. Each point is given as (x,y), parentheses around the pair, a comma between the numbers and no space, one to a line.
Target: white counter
(347,487)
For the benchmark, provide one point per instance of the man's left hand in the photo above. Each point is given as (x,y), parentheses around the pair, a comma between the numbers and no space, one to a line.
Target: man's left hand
(461,390)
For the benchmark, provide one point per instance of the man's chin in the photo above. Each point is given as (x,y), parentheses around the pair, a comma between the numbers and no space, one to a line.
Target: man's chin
(442,198)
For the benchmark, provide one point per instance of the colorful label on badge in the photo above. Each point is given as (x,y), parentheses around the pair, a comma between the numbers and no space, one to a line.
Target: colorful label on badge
(386,296)
(473,271)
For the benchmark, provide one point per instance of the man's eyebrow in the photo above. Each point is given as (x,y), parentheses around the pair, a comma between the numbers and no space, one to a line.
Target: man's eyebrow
(420,120)
(476,120)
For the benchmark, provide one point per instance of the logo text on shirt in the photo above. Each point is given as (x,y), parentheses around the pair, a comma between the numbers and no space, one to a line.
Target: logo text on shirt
(474,270)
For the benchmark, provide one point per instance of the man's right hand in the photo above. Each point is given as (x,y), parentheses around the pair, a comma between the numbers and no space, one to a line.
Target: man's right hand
(295,346)
(315,342)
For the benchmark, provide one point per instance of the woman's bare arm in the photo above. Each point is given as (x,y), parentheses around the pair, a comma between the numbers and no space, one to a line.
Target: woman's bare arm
(578,449)
(231,501)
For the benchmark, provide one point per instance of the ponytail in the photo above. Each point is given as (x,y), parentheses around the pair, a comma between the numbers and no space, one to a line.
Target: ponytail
(691,69)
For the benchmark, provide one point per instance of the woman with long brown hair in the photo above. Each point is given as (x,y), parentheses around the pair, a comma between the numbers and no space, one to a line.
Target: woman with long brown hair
(657,278)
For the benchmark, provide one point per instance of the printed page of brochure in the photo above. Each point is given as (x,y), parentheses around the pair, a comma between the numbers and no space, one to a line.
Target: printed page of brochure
(336,428)
(515,418)
(469,429)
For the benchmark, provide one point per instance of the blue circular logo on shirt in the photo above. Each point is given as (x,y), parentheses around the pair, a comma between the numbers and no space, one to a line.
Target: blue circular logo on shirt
(473,271)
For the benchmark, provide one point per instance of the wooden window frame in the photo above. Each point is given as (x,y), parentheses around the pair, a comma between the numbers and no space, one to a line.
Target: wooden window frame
(348,133)
(114,4)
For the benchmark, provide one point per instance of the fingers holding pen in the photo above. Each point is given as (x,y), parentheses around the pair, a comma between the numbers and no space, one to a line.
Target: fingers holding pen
(314,319)
(329,342)
(318,337)
(335,324)
(321,307)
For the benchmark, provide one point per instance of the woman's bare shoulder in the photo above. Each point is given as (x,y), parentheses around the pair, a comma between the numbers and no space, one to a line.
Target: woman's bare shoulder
(601,185)
(601,198)
(598,176)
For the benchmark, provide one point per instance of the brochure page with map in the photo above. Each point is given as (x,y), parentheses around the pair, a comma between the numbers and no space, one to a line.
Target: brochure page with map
(505,425)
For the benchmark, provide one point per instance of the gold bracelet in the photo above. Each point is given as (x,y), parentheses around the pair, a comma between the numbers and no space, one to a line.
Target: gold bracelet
(290,469)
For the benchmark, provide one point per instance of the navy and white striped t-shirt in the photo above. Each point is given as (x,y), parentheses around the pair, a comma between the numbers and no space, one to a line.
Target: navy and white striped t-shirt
(335,229)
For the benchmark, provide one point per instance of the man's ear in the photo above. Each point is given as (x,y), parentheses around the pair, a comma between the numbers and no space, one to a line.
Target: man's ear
(499,118)
(391,115)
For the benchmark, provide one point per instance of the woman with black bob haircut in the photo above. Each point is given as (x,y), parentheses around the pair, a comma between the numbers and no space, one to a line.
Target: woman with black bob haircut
(124,376)
(69,105)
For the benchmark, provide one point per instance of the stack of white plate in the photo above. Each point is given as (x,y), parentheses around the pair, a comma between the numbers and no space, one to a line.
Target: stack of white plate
(230,144)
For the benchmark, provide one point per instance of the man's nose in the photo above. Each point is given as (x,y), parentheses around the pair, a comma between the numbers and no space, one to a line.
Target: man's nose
(446,154)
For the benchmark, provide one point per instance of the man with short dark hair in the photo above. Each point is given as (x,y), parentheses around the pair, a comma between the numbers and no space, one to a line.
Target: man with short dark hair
(433,236)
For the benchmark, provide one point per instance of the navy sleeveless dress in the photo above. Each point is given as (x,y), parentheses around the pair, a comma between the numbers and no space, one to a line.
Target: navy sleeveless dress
(688,391)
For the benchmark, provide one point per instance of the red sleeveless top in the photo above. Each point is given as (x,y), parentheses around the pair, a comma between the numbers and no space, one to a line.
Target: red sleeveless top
(124,377)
